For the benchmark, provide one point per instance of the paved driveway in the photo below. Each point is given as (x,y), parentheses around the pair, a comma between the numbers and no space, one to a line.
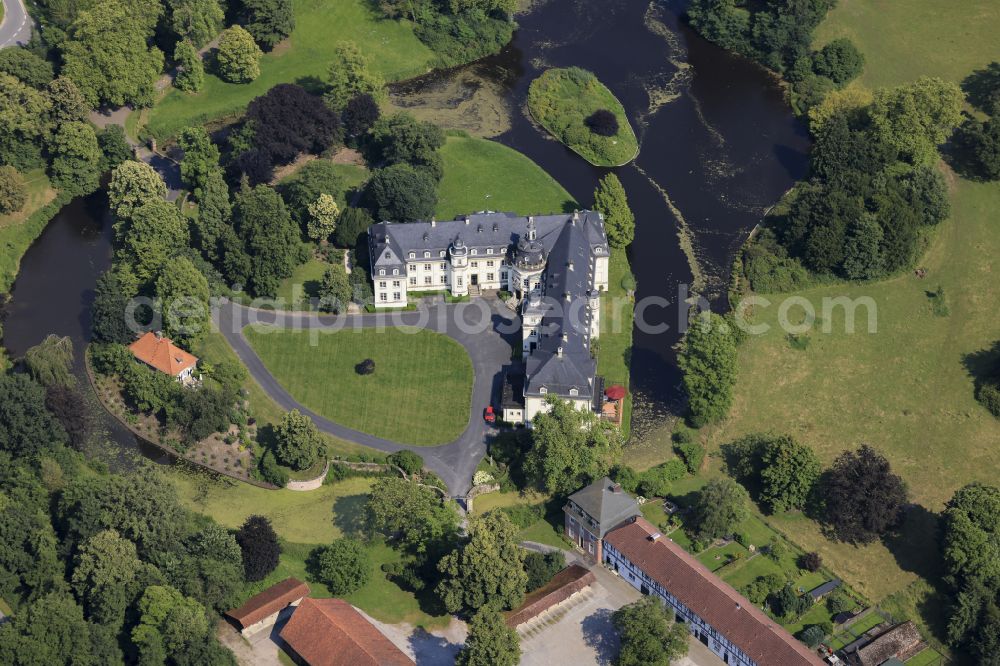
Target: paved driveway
(484,327)
(16,26)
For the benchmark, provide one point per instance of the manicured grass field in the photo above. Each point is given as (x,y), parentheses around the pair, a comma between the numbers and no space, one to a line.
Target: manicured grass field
(485,175)
(303,284)
(615,342)
(17,231)
(419,393)
(562,99)
(905,40)
(391,46)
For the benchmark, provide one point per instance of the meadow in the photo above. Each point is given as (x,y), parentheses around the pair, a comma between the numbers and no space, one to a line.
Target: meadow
(18,230)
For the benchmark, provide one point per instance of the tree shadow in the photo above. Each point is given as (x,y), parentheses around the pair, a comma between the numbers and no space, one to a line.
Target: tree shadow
(982,87)
(599,634)
(431,650)
(570,206)
(313,84)
(983,365)
(349,515)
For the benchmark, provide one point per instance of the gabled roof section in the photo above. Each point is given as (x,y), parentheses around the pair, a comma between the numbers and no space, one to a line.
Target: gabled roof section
(762,639)
(331,632)
(269,602)
(162,354)
(607,503)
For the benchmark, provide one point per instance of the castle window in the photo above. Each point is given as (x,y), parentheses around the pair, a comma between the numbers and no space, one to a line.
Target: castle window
(381,285)
(427,267)
(489,277)
(381,271)
(383,297)
(427,255)
(489,264)
(442,253)
(396,296)
(413,255)
(475,252)
(475,264)
(573,391)
(413,281)
(489,250)
(395,284)
(442,279)
(543,390)
(395,271)
(427,279)
(444,266)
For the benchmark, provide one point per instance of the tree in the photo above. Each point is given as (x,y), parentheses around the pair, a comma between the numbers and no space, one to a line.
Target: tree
(76,158)
(316,178)
(105,577)
(541,567)
(344,566)
(259,547)
(26,66)
(298,443)
(602,122)
(26,427)
(811,561)
(107,55)
(50,362)
(365,367)
(201,157)
(23,111)
(864,499)
(789,472)
(981,141)
(323,215)
(173,624)
(214,213)
(352,227)
(708,360)
(66,103)
(570,448)
(157,233)
(190,69)
(269,237)
(917,117)
(335,291)
(238,56)
(115,149)
(350,75)
(722,505)
(195,21)
(648,637)
(402,193)
(487,569)
(50,631)
(107,314)
(401,138)
(13,190)
(269,21)
(408,461)
(183,293)
(359,115)
(411,514)
(863,258)
(847,102)
(840,61)
(812,635)
(288,121)
(611,202)
(490,642)
(133,184)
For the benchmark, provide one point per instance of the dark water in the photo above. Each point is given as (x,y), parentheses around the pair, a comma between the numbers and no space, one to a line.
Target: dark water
(718,146)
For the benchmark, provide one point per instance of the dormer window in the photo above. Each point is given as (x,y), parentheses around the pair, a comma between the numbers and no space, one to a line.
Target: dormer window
(427,255)
(442,253)
(543,390)
(573,391)
(489,250)
(475,252)
(413,255)
(395,271)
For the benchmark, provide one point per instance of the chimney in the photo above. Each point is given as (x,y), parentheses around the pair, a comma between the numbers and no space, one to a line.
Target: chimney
(570,266)
(468,219)
(616,487)
(655,536)
(565,337)
(559,351)
(434,222)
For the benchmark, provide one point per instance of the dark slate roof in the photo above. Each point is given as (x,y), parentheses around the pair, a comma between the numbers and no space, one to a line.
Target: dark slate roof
(824,589)
(513,389)
(609,507)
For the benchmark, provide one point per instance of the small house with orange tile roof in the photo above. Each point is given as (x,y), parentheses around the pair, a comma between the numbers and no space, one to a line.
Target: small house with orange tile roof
(160,353)
(331,632)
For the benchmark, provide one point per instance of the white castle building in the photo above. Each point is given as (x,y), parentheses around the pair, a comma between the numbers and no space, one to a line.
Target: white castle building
(554,265)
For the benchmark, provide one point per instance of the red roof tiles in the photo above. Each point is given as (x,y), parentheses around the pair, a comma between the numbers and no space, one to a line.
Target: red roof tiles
(269,602)
(746,626)
(563,585)
(161,353)
(330,632)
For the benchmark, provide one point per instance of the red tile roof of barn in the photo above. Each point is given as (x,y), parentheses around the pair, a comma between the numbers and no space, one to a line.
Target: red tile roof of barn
(743,624)
(161,353)
(270,601)
(330,632)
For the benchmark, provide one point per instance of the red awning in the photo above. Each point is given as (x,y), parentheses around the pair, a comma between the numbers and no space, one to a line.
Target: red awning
(616,392)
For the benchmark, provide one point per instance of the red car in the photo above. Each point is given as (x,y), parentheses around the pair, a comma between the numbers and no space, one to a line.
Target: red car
(489,415)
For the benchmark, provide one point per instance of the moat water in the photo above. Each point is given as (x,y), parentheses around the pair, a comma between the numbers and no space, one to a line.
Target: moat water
(719,145)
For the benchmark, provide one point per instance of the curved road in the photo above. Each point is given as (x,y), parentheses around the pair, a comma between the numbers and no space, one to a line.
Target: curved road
(16,27)
(483,327)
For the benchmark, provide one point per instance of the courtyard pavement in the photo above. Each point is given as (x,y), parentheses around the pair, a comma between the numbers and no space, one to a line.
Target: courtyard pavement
(484,327)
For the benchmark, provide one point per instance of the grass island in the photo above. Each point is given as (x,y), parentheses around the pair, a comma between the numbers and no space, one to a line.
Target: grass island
(420,392)
(566,101)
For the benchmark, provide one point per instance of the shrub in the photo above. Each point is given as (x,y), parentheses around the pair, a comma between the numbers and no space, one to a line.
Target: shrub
(524,515)
(627,477)
(989,396)
(259,546)
(812,635)
(692,453)
(366,367)
(542,567)
(838,602)
(402,193)
(271,471)
(811,561)
(343,566)
(238,56)
(602,122)
(408,461)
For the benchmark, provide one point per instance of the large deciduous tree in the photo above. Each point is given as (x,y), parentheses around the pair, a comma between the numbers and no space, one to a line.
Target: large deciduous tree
(50,631)
(570,448)
(13,190)
(316,178)
(648,636)
(402,193)
(350,75)
(401,138)
(133,184)
(487,569)
(106,576)
(259,547)
(23,111)
(864,499)
(26,66)
(195,21)
(288,121)
(238,56)
(344,566)
(269,21)
(722,505)
(201,157)
(298,443)
(157,233)
(611,202)
(26,426)
(411,514)
(708,361)
(359,114)
(76,158)
(107,54)
(490,641)
(269,237)
(915,118)
(67,102)
(183,293)
(190,69)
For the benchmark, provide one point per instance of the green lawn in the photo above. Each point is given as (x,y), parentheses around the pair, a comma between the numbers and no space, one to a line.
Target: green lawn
(4,608)
(560,100)
(615,342)
(303,284)
(420,392)
(391,46)
(18,230)
(480,174)
(905,40)
(548,530)
(716,558)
